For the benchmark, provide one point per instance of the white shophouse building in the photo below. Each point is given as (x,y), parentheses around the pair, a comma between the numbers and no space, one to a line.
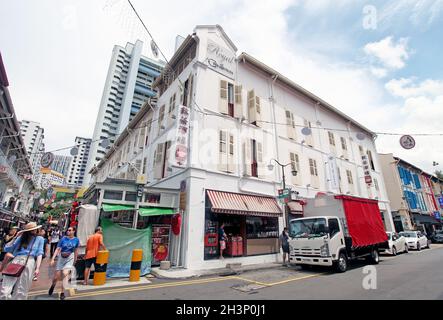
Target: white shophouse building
(242,114)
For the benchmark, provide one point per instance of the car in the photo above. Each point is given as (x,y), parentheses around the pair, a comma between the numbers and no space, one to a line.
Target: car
(416,240)
(397,243)
(437,236)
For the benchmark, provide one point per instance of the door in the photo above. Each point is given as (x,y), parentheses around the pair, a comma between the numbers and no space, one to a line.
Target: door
(335,236)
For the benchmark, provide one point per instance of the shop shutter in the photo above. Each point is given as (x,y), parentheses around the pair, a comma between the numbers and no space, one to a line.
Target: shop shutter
(247,157)
(223,101)
(308,139)
(222,151)
(238,107)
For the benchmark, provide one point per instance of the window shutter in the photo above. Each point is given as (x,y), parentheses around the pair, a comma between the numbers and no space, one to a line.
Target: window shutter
(260,164)
(222,150)
(308,139)
(231,163)
(223,101)
(247,157)
(238,107)
(252,112)
(158,161)
(290,125)
(167,149)
(295,165)
(258,112)
(161,115)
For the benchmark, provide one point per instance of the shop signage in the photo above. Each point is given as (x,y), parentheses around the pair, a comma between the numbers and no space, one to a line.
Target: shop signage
(284,193)
(140,189)
(47,159)
(220,59)
(141,179)
(437,215)
(440,200)
(180,155)
(366,169)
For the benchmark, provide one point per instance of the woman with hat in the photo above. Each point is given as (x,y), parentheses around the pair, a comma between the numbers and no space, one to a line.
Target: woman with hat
(26,249)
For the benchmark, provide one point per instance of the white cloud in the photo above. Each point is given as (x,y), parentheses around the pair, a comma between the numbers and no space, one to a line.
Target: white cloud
(405,87)
(389,53)
(379,72)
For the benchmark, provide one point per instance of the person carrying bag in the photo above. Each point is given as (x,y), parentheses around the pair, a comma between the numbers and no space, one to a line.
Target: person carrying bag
(18,274)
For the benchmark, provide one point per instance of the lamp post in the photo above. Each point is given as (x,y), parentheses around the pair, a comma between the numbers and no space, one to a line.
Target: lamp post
(294,173)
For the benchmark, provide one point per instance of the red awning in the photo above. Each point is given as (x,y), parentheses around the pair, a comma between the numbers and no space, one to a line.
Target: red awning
(295,207)
(242,204)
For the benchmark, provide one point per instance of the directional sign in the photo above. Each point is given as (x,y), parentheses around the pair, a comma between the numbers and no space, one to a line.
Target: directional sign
(47,159)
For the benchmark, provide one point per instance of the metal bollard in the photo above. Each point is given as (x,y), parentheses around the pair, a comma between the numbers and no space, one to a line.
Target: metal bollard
(136,263)
(101,264)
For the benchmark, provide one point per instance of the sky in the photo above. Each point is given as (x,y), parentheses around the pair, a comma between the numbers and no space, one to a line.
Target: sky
(377,61)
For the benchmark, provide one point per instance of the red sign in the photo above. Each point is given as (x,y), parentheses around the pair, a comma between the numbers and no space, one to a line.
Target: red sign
(368,179)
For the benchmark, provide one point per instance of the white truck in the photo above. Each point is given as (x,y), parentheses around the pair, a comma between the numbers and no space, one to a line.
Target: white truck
(336,229)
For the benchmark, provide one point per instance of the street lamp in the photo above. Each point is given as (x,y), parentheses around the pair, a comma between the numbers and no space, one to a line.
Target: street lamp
(294,173)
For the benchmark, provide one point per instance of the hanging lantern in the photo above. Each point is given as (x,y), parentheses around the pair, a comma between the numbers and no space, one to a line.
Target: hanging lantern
(176,223)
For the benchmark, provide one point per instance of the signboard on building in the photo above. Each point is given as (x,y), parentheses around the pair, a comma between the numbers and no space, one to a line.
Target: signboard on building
(220,59)
(332,169)
(182,205)
(440,201)
(47,159)
(180,148)
(366,169)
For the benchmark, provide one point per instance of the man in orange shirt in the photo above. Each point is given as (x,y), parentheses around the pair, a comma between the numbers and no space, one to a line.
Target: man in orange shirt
(94,243)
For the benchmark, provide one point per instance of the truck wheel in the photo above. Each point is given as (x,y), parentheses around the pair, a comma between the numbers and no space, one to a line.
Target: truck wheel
(394,251)
(342,263)
(374,257)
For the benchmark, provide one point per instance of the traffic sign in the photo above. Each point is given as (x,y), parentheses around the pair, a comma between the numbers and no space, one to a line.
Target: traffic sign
(407,142)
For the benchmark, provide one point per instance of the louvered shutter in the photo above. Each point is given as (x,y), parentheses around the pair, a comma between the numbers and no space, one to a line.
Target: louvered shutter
(238,106)
(223,100)
(222,151)
(247,157)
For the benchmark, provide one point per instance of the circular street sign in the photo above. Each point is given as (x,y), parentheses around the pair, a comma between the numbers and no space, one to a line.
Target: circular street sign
(41,201)
(306,131)
(37,194)
(74,151)
(407,142)
(47,159)
(45,184)
(105,143)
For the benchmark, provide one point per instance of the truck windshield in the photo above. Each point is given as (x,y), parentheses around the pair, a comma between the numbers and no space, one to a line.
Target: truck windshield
(307,228)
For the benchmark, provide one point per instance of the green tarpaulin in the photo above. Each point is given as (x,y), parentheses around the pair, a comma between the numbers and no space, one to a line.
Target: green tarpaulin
(144,212)
(120,242)
(116,207)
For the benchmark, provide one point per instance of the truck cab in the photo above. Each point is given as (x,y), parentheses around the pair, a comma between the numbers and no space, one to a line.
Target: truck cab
(316,240)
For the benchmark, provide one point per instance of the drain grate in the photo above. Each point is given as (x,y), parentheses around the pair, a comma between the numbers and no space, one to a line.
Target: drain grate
(248,288)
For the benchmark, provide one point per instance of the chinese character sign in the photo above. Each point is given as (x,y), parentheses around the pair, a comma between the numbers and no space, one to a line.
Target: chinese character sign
(366,169)
(180,149)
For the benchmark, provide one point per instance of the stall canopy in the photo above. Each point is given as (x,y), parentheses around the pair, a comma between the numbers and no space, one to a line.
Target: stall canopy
(424,218)
(117,207)
(145,212)
(242,204)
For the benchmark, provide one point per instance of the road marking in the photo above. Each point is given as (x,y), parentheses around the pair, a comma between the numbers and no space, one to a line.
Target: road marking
(148,287)
(296,279)
(35,293)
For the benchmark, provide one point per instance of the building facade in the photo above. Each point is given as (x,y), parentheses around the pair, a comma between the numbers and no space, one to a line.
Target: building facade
(221,119)
(33,135)
(128,85)
(410,192)
(79,162)
(15,168)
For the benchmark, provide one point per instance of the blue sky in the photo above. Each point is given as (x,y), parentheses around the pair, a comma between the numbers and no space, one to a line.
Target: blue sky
(390,79)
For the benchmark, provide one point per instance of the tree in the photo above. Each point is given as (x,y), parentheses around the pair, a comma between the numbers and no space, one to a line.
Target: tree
(439,174)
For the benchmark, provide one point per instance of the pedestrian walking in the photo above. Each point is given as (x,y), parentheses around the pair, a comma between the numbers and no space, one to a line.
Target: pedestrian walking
(93,245)
(42,233)
(26,250)
(55,238)
(67,252)
(284,243)
(6,239)
(222,239)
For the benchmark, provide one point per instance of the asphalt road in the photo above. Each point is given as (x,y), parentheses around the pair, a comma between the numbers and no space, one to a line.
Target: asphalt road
(416,275)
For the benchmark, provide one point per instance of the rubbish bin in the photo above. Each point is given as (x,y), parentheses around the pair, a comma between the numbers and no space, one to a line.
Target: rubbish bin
(80,268)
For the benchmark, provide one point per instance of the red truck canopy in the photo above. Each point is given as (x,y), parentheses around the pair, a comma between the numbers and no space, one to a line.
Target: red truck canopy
(364,221)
